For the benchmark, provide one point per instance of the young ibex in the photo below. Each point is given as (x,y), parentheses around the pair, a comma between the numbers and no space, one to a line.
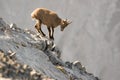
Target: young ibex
(48,18)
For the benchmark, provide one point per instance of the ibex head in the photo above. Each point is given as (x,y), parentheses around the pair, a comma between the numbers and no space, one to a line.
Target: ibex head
(64,24)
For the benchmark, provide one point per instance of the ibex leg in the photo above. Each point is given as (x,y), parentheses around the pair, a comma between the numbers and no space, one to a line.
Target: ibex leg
(49,31)
(52,33)
(38,27)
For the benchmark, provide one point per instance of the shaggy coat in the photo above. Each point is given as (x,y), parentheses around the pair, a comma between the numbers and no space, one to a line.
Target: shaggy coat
(48,18)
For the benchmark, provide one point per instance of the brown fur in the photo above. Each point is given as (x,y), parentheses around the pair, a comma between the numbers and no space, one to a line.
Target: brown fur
(48,18)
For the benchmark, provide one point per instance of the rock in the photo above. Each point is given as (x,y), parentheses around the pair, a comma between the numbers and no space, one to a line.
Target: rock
(2,23)
(25,52)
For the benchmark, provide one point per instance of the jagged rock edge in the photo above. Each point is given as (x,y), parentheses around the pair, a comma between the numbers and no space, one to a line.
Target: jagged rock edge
(54,59)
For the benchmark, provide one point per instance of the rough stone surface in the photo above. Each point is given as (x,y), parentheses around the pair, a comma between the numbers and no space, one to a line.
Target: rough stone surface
(40,55)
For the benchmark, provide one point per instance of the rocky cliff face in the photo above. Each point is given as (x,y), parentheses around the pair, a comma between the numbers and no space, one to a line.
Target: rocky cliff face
(26,53)
(93,37)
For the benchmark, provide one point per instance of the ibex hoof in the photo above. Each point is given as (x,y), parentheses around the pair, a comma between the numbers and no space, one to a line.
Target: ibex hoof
(52,38)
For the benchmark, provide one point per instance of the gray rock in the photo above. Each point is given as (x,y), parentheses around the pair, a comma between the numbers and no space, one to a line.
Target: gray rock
(41,54)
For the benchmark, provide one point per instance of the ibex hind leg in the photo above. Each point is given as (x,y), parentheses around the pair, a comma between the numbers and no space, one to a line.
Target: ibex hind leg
(41,33)
(38,27)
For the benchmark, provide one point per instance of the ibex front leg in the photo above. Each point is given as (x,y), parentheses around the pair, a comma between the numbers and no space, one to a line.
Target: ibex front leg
(50,31)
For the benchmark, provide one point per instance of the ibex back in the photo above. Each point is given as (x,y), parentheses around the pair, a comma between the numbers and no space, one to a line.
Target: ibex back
(48,18)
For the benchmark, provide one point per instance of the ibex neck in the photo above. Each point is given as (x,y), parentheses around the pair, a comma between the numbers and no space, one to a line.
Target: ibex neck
(58,22)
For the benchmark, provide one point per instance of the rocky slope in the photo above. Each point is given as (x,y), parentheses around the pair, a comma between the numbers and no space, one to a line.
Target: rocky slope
(26,56)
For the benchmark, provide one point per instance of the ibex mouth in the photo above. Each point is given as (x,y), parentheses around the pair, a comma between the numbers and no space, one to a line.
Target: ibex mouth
(62,29)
